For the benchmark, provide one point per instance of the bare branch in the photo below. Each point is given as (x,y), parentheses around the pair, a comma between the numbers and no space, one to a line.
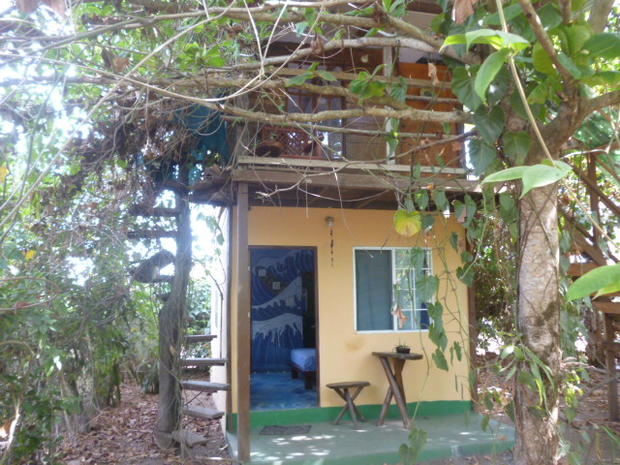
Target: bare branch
(264,13)
(359,132)
(412,114)
(602,101)
(179,7)
(544,39)
(566,8)
(599,14)
(415,32)
(404,42)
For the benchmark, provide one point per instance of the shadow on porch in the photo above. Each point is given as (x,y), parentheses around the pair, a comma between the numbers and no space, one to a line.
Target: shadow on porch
(367,444)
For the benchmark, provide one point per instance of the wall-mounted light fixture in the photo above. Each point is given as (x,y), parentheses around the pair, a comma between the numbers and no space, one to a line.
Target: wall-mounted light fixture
(329,221)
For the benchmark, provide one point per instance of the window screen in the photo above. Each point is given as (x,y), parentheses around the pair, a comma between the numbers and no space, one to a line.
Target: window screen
(373,283)
(386,279)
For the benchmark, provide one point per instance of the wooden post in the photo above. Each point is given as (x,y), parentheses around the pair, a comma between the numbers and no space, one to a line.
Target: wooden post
(610,361)
(244,333)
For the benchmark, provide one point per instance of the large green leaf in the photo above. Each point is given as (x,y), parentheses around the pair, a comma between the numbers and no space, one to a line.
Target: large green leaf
(490,124)
(407,223)
(542,175)
(570,65)
(440,360)
(300,79)
(454,39)
(541,60)
(509,174)
(367,87)
(604,45)
(426,287)
(510,13)
(482,156)
(463,88)
(539,94)
(603,78)
(488,71)
(577,34)
(517,145)
(497,39)
(550,16)
(601,280)
(532,176)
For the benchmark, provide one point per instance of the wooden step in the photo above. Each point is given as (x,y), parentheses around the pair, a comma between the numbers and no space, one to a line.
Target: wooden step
(203,362)
(579,269)
(189,438)
(202,412)
(612,308)
(191,338)
(204,386)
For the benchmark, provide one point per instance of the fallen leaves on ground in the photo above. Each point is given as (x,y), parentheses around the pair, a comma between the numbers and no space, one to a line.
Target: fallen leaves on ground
(124,435)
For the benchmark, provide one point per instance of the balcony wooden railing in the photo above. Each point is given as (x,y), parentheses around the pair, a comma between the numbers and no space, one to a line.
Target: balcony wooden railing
(364,140)
(290,142)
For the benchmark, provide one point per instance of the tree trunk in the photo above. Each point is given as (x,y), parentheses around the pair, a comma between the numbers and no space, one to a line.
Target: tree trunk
(170,327)
(539,322)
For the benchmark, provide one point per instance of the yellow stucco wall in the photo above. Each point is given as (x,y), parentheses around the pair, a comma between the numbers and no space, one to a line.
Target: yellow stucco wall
(344,354)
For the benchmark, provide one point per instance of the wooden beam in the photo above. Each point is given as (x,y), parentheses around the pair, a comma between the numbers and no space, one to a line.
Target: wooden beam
(579,269)
(593,252)
(244,333)
(283,162)
(366,182)
(598,192)
(612,308)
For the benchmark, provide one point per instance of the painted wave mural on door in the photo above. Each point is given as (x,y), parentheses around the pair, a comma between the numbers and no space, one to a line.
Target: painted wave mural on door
(278,303)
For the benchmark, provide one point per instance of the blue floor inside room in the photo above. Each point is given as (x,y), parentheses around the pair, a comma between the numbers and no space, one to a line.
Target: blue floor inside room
(277,390)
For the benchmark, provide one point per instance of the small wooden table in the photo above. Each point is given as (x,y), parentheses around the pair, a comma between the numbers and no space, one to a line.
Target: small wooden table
(342,389)
(395,379)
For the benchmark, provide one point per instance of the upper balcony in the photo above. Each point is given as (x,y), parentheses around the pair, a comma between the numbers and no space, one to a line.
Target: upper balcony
(361,142)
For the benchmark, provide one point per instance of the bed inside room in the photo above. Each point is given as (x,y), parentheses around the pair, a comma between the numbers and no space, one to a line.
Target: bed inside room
(284,356)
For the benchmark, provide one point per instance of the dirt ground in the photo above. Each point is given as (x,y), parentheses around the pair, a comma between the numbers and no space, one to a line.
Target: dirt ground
(124,435)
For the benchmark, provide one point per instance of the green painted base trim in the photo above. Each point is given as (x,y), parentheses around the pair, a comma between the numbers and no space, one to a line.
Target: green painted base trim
(328,414)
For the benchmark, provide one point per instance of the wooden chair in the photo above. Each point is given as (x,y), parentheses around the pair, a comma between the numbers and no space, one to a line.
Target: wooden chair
(349,391)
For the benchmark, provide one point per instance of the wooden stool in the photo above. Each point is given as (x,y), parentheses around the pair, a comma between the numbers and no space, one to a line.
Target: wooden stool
(342,389)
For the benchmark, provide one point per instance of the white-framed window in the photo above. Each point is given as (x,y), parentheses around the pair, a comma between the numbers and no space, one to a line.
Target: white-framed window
(385,288)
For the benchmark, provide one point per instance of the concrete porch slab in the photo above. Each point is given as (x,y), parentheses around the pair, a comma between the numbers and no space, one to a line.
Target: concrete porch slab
(327,444)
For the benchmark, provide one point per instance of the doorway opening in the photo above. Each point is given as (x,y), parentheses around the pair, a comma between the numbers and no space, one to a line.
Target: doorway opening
(284,328)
